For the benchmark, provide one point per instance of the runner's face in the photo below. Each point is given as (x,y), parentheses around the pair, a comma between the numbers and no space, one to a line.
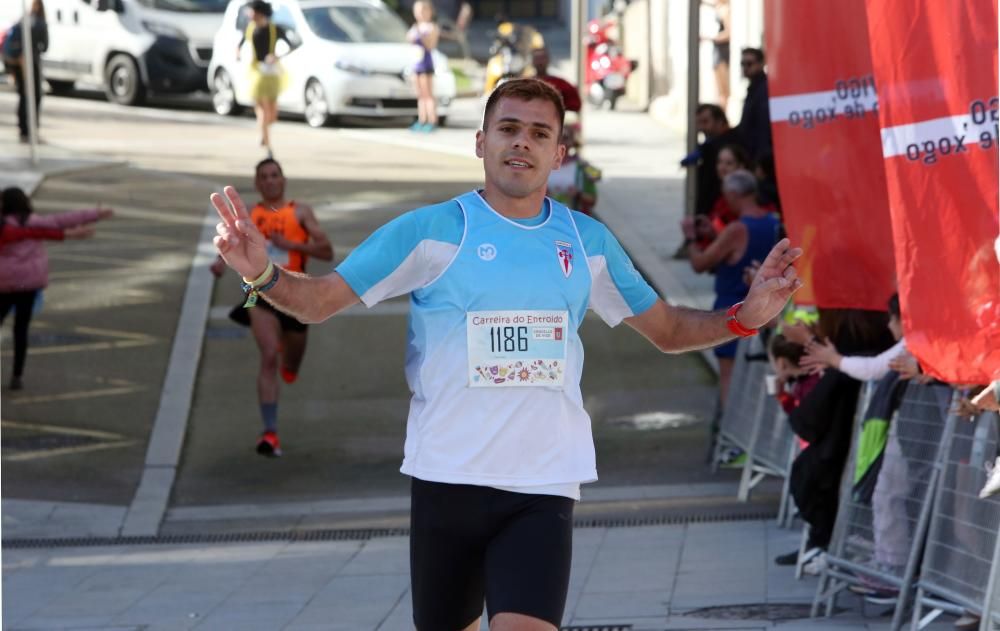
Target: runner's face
(270,182)
(520,146)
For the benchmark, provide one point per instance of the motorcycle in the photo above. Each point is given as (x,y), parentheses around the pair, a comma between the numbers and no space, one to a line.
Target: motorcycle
(607,67)
(510,54)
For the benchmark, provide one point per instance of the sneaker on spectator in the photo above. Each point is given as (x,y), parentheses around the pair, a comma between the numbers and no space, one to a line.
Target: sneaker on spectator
(733,459)
(269,445)
(992,486)
(968,622)
(874,596)
(875,590)
(787,559)
(815,565)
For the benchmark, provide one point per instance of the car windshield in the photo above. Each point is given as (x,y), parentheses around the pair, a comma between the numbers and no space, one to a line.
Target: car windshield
(187,6)
(281,16)
(356,24)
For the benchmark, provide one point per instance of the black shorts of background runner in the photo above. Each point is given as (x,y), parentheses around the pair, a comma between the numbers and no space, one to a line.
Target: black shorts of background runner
(474,543)
(241,315)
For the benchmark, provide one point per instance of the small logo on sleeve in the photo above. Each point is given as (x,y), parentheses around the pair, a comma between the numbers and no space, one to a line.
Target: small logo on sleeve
(564,252)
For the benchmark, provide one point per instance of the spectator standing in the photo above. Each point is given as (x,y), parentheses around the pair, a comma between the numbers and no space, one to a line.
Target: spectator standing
(889,497)
(755,123)
(24,266)
(424,33)
(748,239)
(13,54)
(569,92)
(825,419)
(720,51)
(267,78)
(710,120)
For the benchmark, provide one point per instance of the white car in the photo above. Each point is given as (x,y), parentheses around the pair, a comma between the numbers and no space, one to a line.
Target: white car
(353,59)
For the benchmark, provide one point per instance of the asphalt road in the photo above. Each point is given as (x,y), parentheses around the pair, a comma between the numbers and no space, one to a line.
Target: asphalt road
(102,340)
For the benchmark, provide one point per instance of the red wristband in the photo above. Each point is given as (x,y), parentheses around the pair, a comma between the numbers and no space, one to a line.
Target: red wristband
(734,325)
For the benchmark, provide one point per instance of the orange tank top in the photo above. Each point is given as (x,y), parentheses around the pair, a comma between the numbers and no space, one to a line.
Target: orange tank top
(284,222)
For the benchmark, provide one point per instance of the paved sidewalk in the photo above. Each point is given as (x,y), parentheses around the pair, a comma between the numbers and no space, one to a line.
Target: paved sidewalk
(650,577)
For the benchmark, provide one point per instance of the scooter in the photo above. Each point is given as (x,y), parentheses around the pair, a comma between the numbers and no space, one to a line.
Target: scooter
(510,54)
(607,68)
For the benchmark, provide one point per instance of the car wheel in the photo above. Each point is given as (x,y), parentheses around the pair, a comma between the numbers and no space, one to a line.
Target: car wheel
(224,95)
(60,87)
(317,110)
(122,82)
(442,121)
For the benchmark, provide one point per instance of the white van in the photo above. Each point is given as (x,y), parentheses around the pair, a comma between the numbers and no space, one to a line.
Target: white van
(130,47)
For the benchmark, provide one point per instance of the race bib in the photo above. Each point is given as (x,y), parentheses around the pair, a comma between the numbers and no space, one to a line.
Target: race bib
(277,255)
(517,348)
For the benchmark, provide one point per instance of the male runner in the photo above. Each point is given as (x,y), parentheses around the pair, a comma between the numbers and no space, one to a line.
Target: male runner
(498,441)
(292,236)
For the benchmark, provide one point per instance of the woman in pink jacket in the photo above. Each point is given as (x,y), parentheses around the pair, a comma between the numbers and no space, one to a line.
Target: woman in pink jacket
(24,265)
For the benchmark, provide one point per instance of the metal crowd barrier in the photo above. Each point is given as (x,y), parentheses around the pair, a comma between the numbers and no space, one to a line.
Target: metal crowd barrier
(962,539)
(915,438)
(734,427)
(754,422)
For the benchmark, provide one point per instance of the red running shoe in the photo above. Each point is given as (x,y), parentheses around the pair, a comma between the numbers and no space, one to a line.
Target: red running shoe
(269,445)
(287,375)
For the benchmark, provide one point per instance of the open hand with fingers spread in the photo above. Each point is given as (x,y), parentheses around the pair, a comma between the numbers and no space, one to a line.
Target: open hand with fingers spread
(774,284)
(820,355)
(239,242)
(78,232)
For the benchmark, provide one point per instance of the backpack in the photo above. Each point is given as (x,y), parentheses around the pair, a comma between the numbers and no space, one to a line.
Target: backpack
(13,43)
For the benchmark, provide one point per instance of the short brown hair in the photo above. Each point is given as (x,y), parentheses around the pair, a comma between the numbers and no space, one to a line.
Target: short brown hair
(525,90)
(781,346)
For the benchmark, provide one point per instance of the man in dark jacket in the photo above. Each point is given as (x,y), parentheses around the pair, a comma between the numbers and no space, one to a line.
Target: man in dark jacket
(710,120)
(755,123)
(13,53)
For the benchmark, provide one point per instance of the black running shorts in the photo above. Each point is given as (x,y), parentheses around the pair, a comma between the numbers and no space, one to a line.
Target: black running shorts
(470,544)
(240,315)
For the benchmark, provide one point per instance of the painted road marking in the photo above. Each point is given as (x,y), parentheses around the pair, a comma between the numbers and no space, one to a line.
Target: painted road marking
(105,440)
(119,339)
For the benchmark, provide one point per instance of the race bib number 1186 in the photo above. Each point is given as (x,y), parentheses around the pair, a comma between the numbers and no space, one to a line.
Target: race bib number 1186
(517,348)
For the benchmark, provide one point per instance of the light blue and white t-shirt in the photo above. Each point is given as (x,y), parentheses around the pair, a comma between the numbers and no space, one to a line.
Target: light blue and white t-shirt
(514,420)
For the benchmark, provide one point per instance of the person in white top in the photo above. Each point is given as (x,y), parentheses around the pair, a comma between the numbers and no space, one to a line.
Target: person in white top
(472,541)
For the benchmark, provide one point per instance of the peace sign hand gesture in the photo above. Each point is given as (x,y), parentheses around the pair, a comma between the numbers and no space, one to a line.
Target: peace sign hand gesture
(774,284)
(238,241)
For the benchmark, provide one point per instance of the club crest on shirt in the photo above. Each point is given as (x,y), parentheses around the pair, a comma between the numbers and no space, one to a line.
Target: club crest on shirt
(564,252)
